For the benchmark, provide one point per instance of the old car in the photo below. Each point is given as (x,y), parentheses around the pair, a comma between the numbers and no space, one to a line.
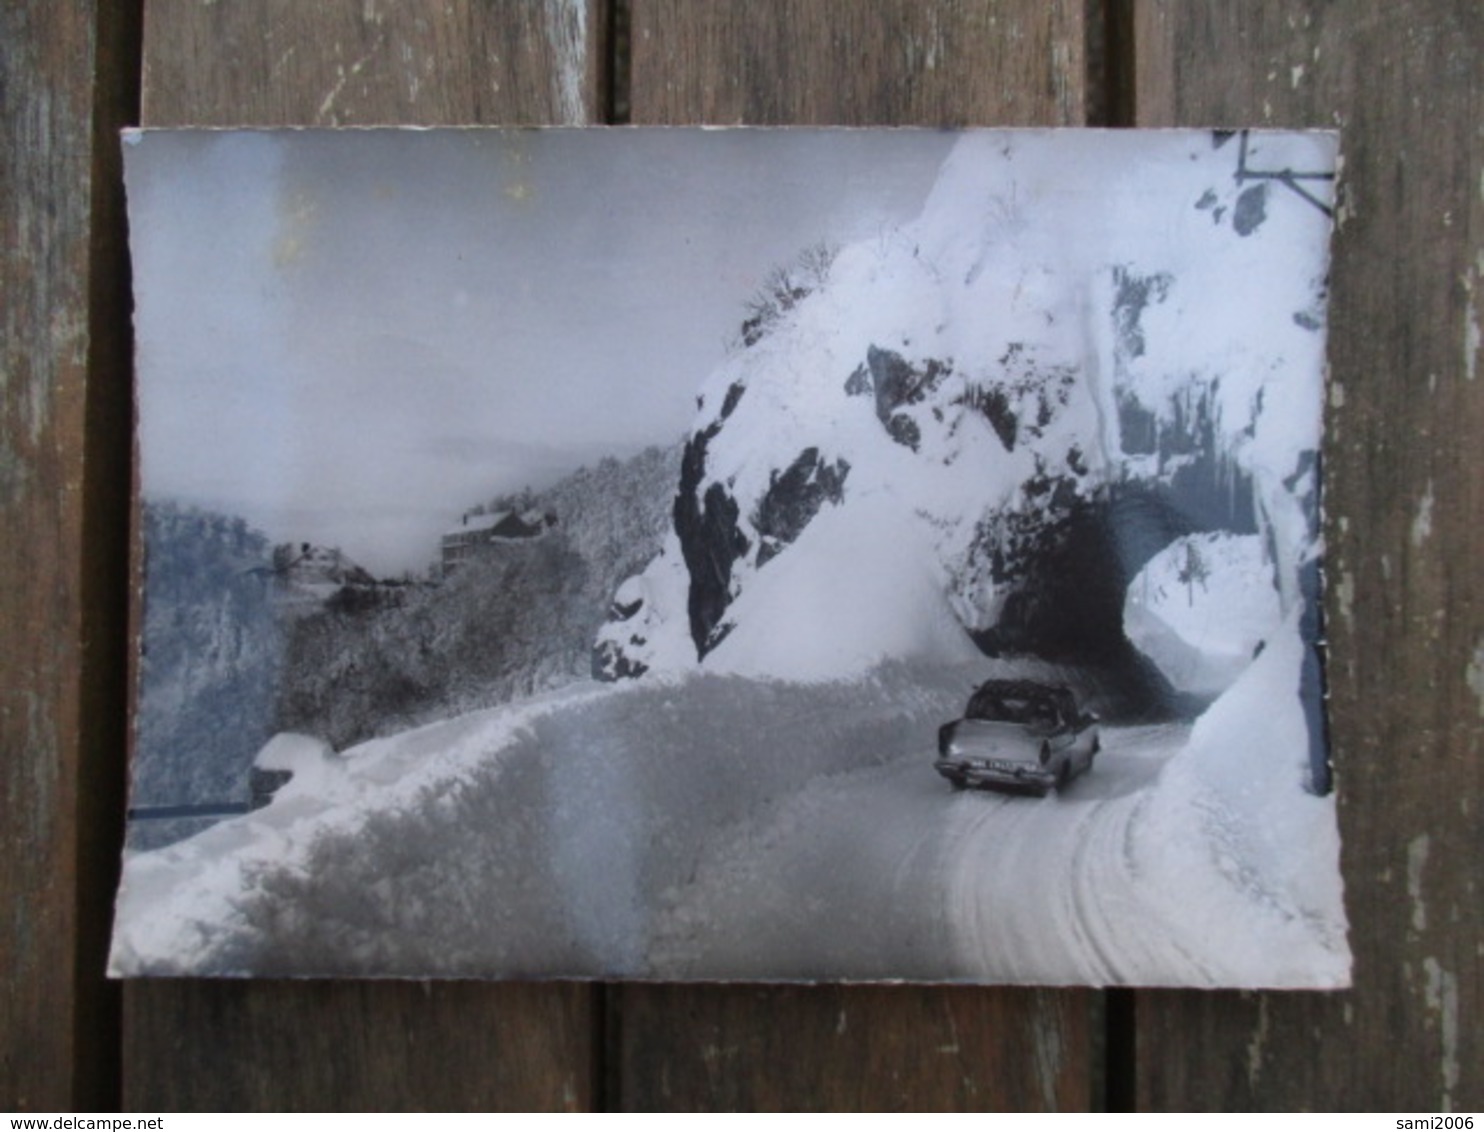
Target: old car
(1018,736)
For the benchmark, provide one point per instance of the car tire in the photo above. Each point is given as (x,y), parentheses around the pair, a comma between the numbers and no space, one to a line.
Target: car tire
(958,782)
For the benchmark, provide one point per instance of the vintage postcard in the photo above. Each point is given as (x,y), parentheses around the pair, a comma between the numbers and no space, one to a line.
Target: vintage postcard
(732,554)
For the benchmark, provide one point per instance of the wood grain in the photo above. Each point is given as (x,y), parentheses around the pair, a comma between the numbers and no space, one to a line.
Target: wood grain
(358,1046)
(1404,502)
(217,1046)
(373,62)
(851,1049)
(841,63)
(64,406)
(1406,671)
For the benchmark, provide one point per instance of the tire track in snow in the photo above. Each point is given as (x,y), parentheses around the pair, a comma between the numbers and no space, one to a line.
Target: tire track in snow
(842,879)
(1046,890)
(886,872)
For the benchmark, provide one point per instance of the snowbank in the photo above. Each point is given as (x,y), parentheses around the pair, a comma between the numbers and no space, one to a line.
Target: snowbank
(545,838)
(1232,847)
(179,909)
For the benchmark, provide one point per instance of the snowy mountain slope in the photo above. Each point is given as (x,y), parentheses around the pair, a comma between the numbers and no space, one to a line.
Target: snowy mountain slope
(516,618)
(1077,354)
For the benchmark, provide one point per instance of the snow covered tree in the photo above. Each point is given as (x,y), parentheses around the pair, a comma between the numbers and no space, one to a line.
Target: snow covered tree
(1193,570)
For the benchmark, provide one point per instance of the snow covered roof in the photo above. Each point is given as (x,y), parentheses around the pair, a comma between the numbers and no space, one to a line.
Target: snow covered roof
(473,523)
(289,750)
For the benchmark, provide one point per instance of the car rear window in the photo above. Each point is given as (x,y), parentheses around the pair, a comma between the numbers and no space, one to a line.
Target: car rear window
(1013,707)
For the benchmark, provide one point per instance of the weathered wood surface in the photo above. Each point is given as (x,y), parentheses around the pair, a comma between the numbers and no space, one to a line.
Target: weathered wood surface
(851,1048)
(1405,535)
(197,1044)
(358,1046)
(843,63)
(1407,659)
(377,62)
(64,429)
(839,62)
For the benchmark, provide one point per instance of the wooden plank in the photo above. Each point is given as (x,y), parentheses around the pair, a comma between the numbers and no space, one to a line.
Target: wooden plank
(357,1045)
(207,1045)
(64,405)
(838,62)
(107,494)
(377,62)
(1405,607)
(851,1048)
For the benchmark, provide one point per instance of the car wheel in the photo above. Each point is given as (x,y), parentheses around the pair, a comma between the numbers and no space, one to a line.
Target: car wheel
(1063,777)
(958,781)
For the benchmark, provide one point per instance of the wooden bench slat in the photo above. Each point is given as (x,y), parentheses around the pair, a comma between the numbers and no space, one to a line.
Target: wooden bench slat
(64,458)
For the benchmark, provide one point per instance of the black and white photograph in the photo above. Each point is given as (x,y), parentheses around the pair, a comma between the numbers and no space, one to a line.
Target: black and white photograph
(732,555)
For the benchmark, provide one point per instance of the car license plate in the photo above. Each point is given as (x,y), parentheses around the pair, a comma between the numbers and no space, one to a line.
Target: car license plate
(1004,766)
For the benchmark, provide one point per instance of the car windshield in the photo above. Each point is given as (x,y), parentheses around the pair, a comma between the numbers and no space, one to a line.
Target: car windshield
(1026,709)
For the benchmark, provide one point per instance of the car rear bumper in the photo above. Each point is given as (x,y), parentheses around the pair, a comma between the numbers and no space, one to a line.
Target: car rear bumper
(997,775)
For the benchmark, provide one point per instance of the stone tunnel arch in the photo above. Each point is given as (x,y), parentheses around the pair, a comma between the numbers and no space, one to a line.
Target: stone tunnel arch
(1068,605)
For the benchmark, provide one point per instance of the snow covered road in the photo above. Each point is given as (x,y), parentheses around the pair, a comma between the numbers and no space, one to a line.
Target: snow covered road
(1188,856)
(844,878)
(889,873)
(1048,891)
(586,835)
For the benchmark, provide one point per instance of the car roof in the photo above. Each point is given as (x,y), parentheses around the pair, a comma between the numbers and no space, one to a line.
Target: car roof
(1029,689)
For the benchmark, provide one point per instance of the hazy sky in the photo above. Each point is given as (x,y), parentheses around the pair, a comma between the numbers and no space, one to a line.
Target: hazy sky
(350,337)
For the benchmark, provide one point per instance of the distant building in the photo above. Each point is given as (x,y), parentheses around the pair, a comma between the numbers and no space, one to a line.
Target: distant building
(477,533)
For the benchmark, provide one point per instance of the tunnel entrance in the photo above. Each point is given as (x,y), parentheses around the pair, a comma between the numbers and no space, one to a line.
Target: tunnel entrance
(1067,605)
